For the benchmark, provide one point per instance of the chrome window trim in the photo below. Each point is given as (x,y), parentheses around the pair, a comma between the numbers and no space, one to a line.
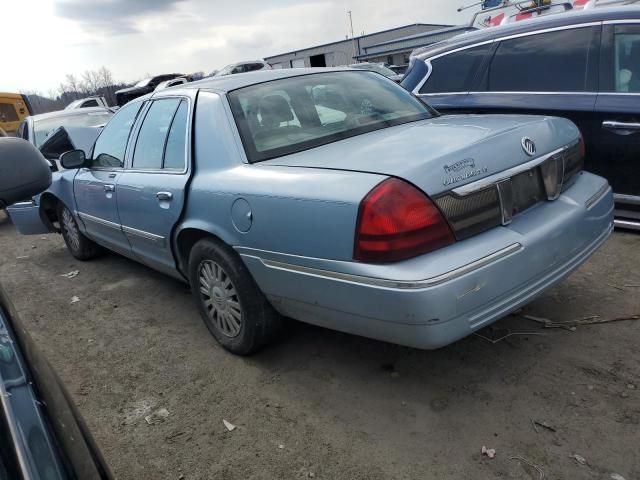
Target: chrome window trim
(441,93)
(497,92)
(142,234)
(624,21)
(394,284)
(620,93)
(548,30)
(427,61)
(505,174)
(100,221)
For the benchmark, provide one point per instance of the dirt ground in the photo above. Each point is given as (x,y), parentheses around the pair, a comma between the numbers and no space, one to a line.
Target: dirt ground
(326,405)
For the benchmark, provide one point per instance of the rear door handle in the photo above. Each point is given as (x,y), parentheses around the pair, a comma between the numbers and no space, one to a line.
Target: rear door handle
(109,188)
(621,128)
(164,196)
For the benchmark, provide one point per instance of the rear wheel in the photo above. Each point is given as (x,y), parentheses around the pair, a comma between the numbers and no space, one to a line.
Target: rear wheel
(232,306)
(78,244)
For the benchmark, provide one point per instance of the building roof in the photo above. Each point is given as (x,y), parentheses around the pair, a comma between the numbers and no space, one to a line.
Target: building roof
(455,28)
(358,37)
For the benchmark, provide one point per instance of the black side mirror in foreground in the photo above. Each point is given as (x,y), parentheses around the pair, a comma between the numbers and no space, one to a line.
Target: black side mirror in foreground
(24,172)
(73,159)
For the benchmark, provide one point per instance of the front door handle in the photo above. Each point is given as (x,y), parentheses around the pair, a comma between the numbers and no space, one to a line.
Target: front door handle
(621,128)
(109,188)
(164,196)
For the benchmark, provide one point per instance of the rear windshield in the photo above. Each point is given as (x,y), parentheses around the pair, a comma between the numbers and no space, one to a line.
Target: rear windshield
(44,127)
(293,114)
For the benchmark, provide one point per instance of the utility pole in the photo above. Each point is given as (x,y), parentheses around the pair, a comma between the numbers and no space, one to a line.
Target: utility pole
(353,38)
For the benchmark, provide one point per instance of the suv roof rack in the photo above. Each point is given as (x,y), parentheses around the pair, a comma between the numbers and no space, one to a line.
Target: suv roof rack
(496,12)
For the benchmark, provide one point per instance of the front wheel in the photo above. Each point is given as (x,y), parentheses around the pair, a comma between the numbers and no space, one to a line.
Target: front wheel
(232,306)
(78,244)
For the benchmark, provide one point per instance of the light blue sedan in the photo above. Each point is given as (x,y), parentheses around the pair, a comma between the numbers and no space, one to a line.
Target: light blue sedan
(336,198)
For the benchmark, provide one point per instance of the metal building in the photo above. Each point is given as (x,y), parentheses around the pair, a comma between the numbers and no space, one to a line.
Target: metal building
(345,52)
(397,52)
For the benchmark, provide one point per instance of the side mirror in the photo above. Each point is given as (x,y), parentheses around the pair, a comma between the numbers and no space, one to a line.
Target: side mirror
(73,159)
(24,172)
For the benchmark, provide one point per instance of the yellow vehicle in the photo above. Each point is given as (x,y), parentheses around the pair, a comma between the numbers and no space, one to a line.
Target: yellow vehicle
(14,108)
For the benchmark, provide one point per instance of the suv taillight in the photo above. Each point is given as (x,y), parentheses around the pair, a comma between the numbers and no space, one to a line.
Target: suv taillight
(397,221)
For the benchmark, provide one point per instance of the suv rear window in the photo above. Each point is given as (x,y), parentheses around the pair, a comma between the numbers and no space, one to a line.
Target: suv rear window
(293,114)
(455,72)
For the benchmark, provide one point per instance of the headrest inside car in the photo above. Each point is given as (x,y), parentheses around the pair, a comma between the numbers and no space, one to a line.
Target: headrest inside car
(274,109)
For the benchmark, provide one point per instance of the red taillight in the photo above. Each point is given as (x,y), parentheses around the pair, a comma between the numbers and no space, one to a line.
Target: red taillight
(397,221)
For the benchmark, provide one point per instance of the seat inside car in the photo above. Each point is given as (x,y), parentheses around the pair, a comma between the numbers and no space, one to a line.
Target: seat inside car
(274,110)
(633,65)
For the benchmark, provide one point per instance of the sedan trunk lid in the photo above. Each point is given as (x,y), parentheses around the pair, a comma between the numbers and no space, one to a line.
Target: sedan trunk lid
(441,153)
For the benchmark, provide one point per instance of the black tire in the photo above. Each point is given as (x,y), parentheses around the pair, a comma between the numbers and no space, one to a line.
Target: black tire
(230,289)
(78,244)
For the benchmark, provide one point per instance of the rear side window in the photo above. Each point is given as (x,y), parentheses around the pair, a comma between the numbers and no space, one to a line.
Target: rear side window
(112,143)
(162,137)
(626,69)
(175,152)
(548,62)
(153,134)
(455,72)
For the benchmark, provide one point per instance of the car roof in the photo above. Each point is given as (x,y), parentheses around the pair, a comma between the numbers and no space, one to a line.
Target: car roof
(69,113)
(525,26)
(240,80)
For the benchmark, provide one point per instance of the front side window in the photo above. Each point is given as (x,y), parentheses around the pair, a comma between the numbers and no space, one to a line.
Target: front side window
(626,69)
(547,62)
(293,114)
(90,103)
(111,145)
(455,72)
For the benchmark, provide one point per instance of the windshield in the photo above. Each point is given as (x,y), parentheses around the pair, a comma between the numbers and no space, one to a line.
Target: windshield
(374,67)
(42,128)
(293,114)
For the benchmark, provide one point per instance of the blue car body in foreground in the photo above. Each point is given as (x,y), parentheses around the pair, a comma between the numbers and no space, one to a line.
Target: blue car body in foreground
(298,194)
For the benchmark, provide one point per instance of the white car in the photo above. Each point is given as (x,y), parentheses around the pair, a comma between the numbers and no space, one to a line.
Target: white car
(171,83)
(242,67)
(87,102)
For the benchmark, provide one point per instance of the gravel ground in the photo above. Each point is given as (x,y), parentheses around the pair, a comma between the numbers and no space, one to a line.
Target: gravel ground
(326,405)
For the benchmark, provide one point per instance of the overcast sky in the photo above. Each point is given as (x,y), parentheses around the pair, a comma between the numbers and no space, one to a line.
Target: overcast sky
(48,38)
